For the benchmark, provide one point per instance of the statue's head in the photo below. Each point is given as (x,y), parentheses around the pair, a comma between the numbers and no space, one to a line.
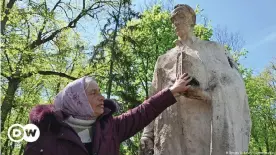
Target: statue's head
(183,18)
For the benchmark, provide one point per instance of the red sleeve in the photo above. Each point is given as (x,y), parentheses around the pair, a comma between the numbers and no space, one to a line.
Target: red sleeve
(136,119)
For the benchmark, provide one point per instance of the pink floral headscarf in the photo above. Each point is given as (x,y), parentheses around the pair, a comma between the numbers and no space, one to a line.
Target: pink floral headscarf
(73,101)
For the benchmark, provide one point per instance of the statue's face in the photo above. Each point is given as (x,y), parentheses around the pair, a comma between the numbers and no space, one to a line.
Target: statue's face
(183,24)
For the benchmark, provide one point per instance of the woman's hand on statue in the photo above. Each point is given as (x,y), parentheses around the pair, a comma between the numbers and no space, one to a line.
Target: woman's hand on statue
(180,84)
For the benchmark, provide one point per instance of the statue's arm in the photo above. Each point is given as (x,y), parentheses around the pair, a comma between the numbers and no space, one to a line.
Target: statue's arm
(231,60)
(147,140)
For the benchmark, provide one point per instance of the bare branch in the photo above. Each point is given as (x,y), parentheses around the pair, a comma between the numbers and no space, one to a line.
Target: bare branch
(8,60)
(45,33)
(3,5)
(29,32)
(46,19)
(43,24)
(142,81)
(49,73)
(36,43)
(71,24)
(233,40)
(65,12)
(170,5)
(273,66)
(43,27)
(72,64)
(5,75)
(56,73)
(54,8)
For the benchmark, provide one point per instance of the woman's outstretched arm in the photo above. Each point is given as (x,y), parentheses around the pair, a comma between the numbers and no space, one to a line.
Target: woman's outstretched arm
(136,119)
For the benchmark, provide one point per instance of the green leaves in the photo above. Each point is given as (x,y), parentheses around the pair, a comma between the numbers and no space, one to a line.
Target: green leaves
(262,102)
(204,33)
(133,48)
(143,40)
(39,49)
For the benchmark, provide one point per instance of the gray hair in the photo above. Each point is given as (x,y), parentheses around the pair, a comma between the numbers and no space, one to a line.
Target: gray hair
(87,81)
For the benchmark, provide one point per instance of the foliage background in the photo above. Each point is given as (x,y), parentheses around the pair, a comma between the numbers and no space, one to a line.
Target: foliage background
(42,50)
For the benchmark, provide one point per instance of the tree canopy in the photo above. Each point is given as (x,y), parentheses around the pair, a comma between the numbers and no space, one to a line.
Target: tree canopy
(42,50)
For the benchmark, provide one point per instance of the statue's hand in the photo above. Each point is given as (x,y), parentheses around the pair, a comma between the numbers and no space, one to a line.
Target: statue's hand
(197,93)
(188,86)
(146,146)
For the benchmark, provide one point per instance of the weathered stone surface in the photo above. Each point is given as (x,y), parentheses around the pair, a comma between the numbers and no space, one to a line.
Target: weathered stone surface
(212,117)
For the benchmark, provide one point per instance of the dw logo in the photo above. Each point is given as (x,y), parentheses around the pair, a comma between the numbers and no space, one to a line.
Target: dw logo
(29,133)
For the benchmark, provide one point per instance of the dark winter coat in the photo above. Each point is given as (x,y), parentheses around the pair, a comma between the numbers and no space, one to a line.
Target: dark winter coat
(58,138)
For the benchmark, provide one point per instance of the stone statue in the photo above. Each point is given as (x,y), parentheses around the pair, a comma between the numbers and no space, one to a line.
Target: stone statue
(212,118)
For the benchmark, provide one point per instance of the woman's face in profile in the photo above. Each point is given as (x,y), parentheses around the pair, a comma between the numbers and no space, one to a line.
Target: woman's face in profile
(95,98)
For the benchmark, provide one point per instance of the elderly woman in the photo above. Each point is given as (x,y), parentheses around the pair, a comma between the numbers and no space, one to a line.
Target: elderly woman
(80,121)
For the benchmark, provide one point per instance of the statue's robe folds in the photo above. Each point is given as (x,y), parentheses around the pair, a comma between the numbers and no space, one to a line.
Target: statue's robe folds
(213,117)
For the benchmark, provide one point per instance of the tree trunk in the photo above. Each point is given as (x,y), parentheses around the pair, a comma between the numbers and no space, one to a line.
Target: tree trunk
(109,88)
(8,100)
(7,12)
(21,149)
(5,148)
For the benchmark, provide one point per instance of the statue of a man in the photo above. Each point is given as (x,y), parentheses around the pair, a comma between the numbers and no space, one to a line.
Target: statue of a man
(212,118)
